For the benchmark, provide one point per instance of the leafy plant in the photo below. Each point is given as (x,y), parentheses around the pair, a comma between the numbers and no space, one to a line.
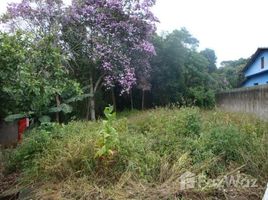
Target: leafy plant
(14,117)
(108,141)
(65,108)
(32,77)
(34,145)
(202,96)
(192,121)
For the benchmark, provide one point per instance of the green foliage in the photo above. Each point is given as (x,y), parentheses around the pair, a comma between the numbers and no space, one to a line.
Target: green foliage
(44,119)
(192,121)
(226,142)
(65,108)
(179,70)
(108,141)
(230,74)
(33,72)
(210,55)
(202,97)
(34,145)
(14,117)
(12,56)
(32,75)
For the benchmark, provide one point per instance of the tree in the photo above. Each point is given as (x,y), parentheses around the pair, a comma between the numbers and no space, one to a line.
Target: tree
(110,39)
(39,17)
(42,20)
(200,84)
(210,55)
(33,76)
(105,39)
(168,81)
(180,73)
(230,73)
(12,56)
(144,85)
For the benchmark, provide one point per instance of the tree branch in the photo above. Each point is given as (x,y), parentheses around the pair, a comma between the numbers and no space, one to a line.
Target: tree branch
(98,82)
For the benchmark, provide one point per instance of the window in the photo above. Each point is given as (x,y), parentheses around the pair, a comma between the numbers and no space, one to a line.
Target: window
(262,62)
(256,83)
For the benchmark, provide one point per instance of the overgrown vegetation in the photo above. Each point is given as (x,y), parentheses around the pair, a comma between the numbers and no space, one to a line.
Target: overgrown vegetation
(54,64)
(144,156)
(62,63)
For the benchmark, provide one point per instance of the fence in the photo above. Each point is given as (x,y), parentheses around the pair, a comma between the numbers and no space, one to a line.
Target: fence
(252,100)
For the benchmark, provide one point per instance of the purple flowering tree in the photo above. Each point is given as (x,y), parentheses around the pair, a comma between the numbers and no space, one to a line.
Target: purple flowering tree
(40,17)
(113,36)
(110,39)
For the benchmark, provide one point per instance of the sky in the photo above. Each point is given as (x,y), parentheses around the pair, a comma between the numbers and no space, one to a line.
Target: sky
(233,28)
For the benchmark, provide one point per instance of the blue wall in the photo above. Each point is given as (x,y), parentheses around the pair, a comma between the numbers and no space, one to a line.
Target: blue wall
(256,66)
(261,79)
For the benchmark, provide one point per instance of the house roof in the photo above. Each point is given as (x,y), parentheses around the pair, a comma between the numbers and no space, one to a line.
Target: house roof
(254,57)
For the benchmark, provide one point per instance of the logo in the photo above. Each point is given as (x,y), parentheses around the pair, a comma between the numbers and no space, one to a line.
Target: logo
(187,181)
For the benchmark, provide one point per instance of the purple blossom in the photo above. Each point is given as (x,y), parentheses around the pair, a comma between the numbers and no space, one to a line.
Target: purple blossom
(148,47)
(117,34)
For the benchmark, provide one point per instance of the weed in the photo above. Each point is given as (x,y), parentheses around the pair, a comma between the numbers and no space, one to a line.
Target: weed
(142,156)
(108,141)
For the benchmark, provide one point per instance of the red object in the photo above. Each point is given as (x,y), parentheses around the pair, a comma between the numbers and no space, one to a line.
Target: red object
(22,125)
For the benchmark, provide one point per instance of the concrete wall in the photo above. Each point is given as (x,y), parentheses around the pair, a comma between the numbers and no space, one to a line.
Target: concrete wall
(249,100)
(8,133)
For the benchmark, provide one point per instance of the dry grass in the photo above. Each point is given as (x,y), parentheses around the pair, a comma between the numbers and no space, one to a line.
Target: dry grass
(156,148)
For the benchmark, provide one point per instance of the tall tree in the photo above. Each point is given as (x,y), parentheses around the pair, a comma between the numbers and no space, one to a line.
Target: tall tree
(168,81)
(180,73)
(110,39)
(32,75)
(40,17)
(210,55)
(105,39)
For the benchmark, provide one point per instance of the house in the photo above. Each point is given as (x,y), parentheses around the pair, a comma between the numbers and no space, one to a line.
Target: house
(256,70)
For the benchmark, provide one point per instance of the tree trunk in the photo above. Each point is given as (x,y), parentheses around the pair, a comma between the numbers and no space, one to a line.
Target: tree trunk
(88,109)
(131,100)
(142,101)
(113,99)
(92,109)
(92,100)
(58,104)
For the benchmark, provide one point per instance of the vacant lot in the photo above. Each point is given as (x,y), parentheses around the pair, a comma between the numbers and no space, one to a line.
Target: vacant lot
(145,155)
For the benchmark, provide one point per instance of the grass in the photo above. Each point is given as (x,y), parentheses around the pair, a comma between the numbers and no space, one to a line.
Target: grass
(155,148)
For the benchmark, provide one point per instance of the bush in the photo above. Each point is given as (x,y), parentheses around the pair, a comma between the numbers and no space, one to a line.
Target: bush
(226,144)
(192,121)
(34,145)
(202,97)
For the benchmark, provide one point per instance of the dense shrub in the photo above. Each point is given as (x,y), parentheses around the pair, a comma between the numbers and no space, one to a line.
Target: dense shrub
(34,144)
(226,142)
(192,121)
(202,97)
